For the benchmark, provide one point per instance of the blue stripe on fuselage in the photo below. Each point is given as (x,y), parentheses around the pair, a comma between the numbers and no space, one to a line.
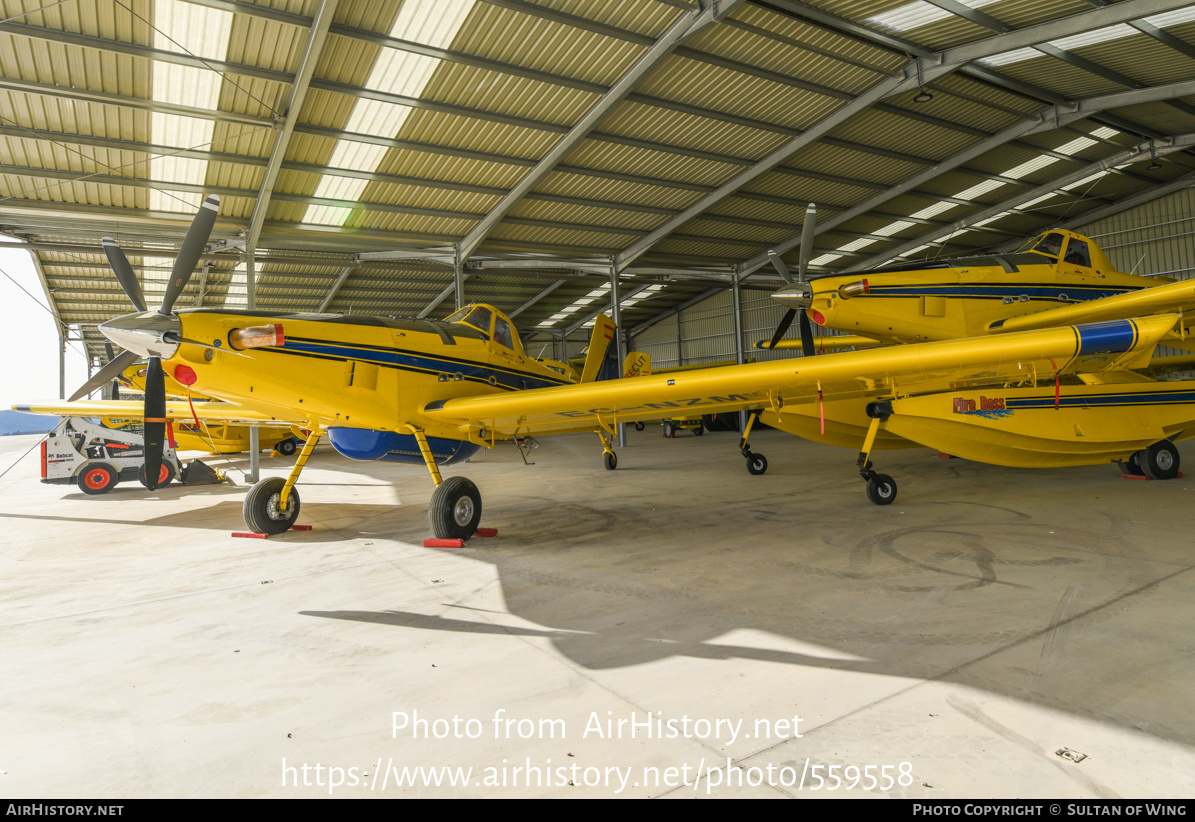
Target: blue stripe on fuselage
(417,362)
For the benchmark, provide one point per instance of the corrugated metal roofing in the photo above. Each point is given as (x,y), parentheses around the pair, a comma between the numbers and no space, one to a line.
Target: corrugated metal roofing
(79,145)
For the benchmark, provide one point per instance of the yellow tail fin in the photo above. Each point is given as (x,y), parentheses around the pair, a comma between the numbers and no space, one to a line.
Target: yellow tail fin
(637,364)
(599,344)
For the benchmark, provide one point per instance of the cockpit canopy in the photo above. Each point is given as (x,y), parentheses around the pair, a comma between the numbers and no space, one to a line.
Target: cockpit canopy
(1068,248)
(491,322)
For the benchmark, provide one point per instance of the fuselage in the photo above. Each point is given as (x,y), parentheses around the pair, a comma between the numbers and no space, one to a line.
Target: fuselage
(918,302)
(362,379)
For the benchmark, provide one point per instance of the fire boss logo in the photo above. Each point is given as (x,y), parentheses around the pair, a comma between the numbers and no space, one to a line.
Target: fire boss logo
(984,406)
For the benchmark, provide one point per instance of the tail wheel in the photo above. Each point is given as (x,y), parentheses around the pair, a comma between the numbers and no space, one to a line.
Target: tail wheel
(263,507)
(1159,461)
(455,509)
(757,464)
(286,447)
(99,478)
(881,489)
(699,430)
(639,426)
(165,474)
(668,430)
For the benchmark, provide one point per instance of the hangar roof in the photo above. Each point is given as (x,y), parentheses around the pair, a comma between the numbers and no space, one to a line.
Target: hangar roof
(362,147)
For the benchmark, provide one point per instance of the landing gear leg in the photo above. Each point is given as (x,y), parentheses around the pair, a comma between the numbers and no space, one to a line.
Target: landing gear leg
(455,507)
(881,488)
(756,463)
(272,505)
(609,458)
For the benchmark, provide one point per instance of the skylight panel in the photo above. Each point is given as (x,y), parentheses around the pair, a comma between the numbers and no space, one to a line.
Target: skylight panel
(1172,18)
(1030,166)
(918,13)
(1035,201)
(1104,133)
(185,28)
(1088,179)
(855,245)
(1076,145)
(893,228)
(978,189)
(1089,38)
(431,22)
(825,258)
(930,211)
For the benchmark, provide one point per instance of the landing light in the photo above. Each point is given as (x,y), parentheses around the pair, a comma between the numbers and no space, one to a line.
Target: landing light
(257,336)
(854,289)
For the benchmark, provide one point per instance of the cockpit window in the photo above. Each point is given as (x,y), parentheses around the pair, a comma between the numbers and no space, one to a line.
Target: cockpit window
(1050,244)
(502,333)
(1077,254)
(477,316)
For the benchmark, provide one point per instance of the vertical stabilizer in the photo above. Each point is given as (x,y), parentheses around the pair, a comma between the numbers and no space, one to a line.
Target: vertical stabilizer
(637,364)
(599,344)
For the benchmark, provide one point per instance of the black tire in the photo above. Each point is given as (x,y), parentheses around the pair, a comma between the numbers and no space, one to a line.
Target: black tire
(639,426)
(287,447)
(757,464)
(165,477)
(699,430)
(1132,465)
(455,509)
(97,478)
(1160,460)
(610,460)
(668,430)
(881,489)
(261,507)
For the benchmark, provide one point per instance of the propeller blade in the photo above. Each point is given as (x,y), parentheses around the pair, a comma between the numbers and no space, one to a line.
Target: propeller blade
(189,253)
(109,372)
(124,273)
(155,421)
(807,240)
(780,266)
(806,335)
(783,327)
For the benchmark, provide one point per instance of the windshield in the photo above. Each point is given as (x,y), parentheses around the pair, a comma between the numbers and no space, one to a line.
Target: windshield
(476,316)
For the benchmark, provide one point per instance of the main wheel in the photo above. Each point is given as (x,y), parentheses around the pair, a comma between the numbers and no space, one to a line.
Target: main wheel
(455,509)
(1132,465)
(286,447)
(1160,460)
(165,474)
(881,489)
(757,464)
(97,478)
(262,510)
(610,459)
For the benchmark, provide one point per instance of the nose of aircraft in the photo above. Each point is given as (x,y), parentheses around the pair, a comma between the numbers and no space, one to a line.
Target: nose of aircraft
(147,333)
(796,295)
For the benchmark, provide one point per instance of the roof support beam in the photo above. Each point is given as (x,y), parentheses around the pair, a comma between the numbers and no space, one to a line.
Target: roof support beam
(316,38)
(686,26)
(344,275)
(545,292)
(1154,148)
(1047,119)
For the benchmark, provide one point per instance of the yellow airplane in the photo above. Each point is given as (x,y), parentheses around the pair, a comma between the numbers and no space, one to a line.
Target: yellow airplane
(436,392)
(1056,278)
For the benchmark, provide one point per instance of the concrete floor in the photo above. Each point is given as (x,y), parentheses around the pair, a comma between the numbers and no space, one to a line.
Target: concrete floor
(946,646)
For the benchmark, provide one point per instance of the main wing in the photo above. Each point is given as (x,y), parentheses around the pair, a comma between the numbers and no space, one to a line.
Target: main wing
(135,410)
(908,369)
(1171,297)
